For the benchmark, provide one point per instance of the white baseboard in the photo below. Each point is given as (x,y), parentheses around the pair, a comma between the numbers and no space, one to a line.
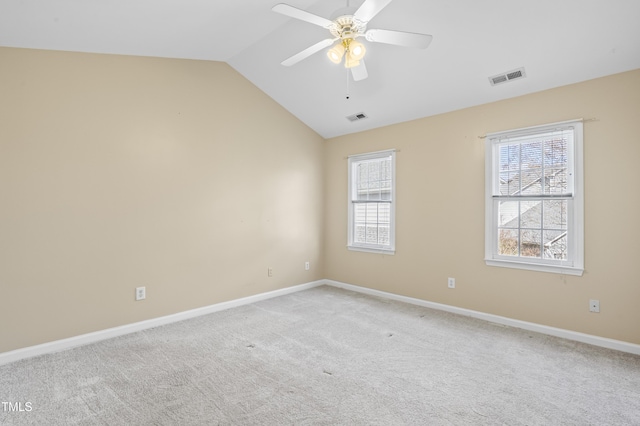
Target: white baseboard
(84,339)
(552,331)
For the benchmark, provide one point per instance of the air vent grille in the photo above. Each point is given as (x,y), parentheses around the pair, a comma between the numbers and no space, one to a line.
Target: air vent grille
(515,74)
(507,76)
(499,79)
(357,117)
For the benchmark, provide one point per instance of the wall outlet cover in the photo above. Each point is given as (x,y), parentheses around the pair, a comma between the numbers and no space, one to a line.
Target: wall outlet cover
(141,293)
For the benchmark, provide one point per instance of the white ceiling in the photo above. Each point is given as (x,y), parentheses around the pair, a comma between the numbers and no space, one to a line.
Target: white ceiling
(558,42)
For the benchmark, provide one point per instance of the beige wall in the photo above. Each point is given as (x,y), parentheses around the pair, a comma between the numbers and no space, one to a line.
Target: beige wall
(118,172)
(440,211)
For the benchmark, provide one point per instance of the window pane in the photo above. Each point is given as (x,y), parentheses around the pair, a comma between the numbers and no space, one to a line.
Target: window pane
(362,183)
(530,243)
(508,242)
(386,169)
(531,181)
(383,234)
(360,213)
(510,157)
(360,235)
(508,214)
(531,214)
(509,183)
(374,174)
(531,154)
(555,214)
(360,222)
(384,212)
(555,245)
(372,212)
(555,180)
(385,191)
(555,151)
(372,234)
(374,180)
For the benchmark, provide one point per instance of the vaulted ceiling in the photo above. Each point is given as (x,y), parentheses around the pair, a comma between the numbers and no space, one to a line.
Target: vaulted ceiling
(557,43)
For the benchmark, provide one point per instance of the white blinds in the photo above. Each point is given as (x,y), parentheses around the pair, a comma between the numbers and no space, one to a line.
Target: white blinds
(535,165)
(373,180)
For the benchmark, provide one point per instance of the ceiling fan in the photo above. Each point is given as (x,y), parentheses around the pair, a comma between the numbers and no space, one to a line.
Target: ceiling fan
(345,28)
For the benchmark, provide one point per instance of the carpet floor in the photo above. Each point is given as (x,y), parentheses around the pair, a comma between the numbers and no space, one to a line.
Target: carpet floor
(326,356)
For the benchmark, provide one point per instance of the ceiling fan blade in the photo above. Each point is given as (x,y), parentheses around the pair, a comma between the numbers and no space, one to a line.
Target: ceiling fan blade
(308,52)
(303,15)
(369,9)
(359,72)
(399,38)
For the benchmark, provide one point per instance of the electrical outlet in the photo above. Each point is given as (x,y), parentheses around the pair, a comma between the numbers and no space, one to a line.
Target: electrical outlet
(451,282)
(307,266)
(269,272)
(141,293)
(594,305)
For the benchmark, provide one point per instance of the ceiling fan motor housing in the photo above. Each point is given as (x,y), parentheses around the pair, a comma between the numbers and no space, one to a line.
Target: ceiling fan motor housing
(346,26)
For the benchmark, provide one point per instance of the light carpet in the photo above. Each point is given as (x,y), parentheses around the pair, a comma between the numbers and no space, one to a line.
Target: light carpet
(326,356)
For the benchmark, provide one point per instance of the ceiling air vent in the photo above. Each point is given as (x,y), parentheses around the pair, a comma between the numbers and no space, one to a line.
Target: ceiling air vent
(507,76)
(356,117)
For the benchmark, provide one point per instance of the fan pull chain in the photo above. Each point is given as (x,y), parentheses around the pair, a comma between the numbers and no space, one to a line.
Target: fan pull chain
(348,96)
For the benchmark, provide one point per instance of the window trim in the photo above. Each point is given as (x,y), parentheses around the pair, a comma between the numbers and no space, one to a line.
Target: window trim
(370,248)
(574,265)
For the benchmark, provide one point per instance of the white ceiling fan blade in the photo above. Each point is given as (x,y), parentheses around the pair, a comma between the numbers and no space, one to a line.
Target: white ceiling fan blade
(359,72)
(369,9)
(308,52)
(303,15)
(399,38)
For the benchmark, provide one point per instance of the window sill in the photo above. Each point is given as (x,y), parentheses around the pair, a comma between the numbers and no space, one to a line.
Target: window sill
(372,250)
(565,270)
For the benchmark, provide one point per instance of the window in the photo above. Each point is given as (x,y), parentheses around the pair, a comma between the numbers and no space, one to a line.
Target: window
(534,198)
(372,202)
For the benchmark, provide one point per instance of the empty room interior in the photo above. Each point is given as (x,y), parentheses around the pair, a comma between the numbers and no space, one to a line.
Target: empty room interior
(222,197)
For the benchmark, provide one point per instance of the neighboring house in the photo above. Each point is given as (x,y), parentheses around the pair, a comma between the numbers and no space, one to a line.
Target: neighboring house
(534,227)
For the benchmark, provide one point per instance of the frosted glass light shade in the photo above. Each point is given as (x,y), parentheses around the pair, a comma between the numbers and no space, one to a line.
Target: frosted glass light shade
(356,50)
(336,53)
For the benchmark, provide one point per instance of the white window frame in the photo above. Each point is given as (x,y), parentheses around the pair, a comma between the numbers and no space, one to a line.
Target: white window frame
(372,248)
(574,264)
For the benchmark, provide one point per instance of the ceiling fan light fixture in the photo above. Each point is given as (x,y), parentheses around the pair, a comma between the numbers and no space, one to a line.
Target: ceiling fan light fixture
(356,50)
(336,53)
(349,62)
